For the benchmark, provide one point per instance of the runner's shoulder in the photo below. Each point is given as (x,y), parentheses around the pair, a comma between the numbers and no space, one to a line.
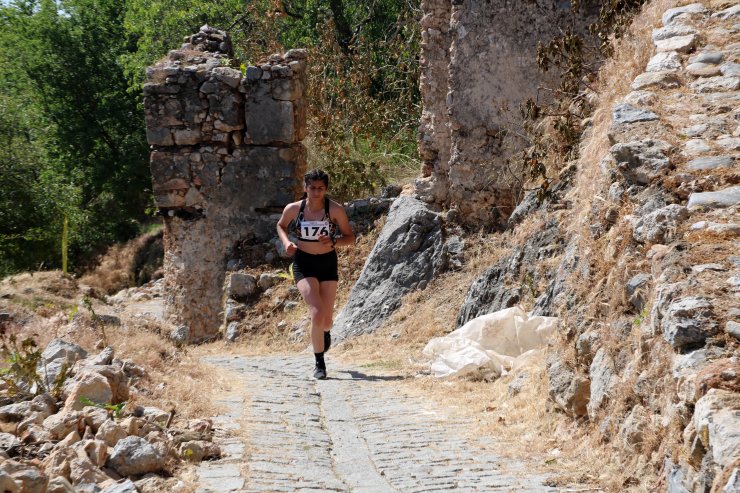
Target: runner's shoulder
(336,206)
(292,209)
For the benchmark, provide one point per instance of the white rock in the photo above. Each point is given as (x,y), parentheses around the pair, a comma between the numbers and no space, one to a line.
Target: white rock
(641,98)
(111,432)
(717,422)
(733,11)
(92,386)
(693,9)
(671,31)
(60,484)
(63,423)
(668,61)
(716,84)
(729,143)
(681,44)
(665,80)
(694,147)
(703,69)
(720,198)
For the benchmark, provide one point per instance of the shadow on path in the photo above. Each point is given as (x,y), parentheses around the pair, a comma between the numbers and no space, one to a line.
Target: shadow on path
(358,375)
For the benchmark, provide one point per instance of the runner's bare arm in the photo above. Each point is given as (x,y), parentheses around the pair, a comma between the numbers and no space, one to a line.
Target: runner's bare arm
(289,214)
(339,215)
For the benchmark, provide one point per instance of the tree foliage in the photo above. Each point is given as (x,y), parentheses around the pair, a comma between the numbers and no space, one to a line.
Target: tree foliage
(71,117)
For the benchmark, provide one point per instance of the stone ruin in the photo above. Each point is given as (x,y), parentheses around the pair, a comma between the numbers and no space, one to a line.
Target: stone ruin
(477,65)
(226,156)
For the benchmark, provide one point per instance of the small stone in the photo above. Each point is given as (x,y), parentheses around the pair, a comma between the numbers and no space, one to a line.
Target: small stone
(253,73)
(241,285)
(698,269)
(733,328)
(694,9)
(680,44)
(688,321)
(664,80)
(296,54)
(637,291)
(641,98)
(733,11)
(712,57)
(672,31)
(696,146)
(232,331)
(695,130)
(625,113)
(729,143)
(134,456)
(716,84)
(721,198)
(710,162)
(180,334)
(730,69)
(703,70)
(668,61)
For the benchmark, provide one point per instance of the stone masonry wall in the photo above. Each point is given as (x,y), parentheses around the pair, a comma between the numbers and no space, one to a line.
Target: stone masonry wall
(478,64)
(226,157)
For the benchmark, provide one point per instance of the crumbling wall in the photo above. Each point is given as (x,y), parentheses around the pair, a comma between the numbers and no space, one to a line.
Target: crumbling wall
(226,157)
(478,64)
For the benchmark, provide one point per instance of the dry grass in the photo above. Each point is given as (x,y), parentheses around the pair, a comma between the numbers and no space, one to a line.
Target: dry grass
(117,268)
(47,305)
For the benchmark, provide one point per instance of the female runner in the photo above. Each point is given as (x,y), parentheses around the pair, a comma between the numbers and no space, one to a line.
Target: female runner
(317,219)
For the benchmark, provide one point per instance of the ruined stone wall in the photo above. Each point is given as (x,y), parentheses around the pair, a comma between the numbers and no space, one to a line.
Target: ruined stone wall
(478,64)
(226,157)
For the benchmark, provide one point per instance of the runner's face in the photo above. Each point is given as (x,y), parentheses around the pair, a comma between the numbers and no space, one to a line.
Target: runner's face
(315,189)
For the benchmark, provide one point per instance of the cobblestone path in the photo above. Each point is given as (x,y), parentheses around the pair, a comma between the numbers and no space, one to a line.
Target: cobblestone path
(352,432)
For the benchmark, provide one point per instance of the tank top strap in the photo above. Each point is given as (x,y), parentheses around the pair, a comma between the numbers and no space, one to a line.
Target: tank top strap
(326,209)
(300,211)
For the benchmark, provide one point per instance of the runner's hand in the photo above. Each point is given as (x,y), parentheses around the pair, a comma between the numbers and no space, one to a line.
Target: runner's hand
(290,248)
(325,240)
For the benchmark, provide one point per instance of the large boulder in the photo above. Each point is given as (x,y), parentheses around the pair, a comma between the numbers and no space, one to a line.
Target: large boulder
(409,253)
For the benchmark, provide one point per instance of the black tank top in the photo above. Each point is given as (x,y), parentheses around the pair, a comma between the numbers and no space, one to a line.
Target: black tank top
(311,230)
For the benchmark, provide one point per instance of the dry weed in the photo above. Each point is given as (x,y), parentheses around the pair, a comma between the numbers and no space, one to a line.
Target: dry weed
(126,265)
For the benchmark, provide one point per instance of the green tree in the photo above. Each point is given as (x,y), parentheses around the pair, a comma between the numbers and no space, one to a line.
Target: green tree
(64,58)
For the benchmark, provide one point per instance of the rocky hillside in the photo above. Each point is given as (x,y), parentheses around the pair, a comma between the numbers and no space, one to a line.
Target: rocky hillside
(637,253)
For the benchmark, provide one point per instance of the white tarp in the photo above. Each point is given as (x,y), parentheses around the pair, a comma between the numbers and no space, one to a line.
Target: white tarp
(490,345)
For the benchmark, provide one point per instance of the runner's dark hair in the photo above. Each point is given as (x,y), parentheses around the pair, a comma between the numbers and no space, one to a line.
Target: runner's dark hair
(316,175)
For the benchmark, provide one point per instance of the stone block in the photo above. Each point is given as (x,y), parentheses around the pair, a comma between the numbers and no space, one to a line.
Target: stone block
(228,76)
(692,10)
(187,136)
(662,80)
(680,44)
(159,136)
(269,122)
(718,199)
(241,285)
(716,84)
(287,89)
(664,61)
(641,161)
(688,321)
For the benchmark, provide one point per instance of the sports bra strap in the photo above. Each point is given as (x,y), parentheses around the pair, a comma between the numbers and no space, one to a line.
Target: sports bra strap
(327,205)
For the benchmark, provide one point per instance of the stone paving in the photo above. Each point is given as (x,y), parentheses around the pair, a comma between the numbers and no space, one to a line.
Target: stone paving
(352,432)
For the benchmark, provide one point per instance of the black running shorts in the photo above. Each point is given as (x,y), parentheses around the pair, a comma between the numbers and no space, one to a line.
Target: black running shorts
(323,266)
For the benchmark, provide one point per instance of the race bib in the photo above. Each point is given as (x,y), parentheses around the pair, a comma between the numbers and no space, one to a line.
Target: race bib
(311,230)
